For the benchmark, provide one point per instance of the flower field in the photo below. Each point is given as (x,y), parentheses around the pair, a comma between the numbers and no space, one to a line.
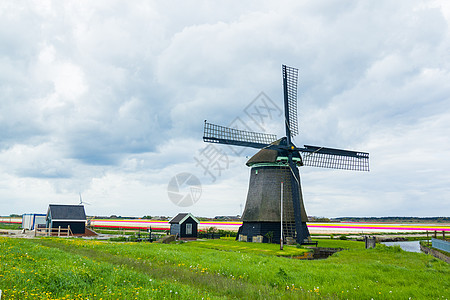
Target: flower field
(52,268)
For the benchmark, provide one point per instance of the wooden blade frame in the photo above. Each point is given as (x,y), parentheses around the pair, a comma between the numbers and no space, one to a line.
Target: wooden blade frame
(314,156)
(224,135)
(290,78)
(302,229)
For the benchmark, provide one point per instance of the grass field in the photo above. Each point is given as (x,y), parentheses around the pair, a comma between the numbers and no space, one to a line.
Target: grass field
(229,244)
(51,268)
(10,226)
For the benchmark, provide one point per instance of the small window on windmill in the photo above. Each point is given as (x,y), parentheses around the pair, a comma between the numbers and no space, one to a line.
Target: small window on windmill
(188,228)
(256,172)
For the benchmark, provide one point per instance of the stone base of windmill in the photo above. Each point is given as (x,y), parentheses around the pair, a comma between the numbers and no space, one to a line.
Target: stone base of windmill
(262,232)
(290,241)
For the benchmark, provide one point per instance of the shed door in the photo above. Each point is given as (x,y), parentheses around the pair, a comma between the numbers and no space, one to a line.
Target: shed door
(189,229)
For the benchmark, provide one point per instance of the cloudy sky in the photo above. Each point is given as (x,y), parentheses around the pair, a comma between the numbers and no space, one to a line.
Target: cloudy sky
(108,99)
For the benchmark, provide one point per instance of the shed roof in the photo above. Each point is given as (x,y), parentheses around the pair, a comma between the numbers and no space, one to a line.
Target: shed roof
(181,217)
(66,212)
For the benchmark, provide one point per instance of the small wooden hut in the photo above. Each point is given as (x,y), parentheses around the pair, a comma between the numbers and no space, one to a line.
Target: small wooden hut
(65,216)
(184,225)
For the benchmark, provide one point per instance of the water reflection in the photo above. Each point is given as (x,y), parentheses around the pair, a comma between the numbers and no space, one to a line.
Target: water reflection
(410,246)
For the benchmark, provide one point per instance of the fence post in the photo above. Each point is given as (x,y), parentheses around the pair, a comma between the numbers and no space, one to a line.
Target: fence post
(68,230)
(59,231)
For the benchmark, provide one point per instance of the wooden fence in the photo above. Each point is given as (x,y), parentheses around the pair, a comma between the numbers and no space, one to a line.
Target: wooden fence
(61,232)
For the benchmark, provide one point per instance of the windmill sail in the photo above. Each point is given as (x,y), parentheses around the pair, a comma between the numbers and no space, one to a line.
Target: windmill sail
(314,156)
(224,135)
(290,78)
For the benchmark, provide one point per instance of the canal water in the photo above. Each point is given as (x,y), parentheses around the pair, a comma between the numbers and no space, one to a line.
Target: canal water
(410,246)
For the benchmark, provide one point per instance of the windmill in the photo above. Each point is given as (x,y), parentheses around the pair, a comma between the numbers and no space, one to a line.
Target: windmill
(83,202)
(277,162)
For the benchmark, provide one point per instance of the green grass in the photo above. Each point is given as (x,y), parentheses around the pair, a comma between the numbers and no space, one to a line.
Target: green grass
(10,226)
(229,244)
(346,244)
(51,268)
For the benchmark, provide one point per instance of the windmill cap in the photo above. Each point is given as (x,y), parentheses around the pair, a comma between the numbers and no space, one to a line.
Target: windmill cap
(265,155)
(268,156)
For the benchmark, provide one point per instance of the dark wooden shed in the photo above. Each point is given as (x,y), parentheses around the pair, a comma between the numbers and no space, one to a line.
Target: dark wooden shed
(65,216)
(184,225)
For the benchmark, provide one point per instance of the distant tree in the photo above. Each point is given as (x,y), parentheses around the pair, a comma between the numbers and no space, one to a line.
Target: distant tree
(321,219)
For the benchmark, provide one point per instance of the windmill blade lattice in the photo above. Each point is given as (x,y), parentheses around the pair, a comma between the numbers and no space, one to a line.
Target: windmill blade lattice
(314,156)
(290,78)
(224,135)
